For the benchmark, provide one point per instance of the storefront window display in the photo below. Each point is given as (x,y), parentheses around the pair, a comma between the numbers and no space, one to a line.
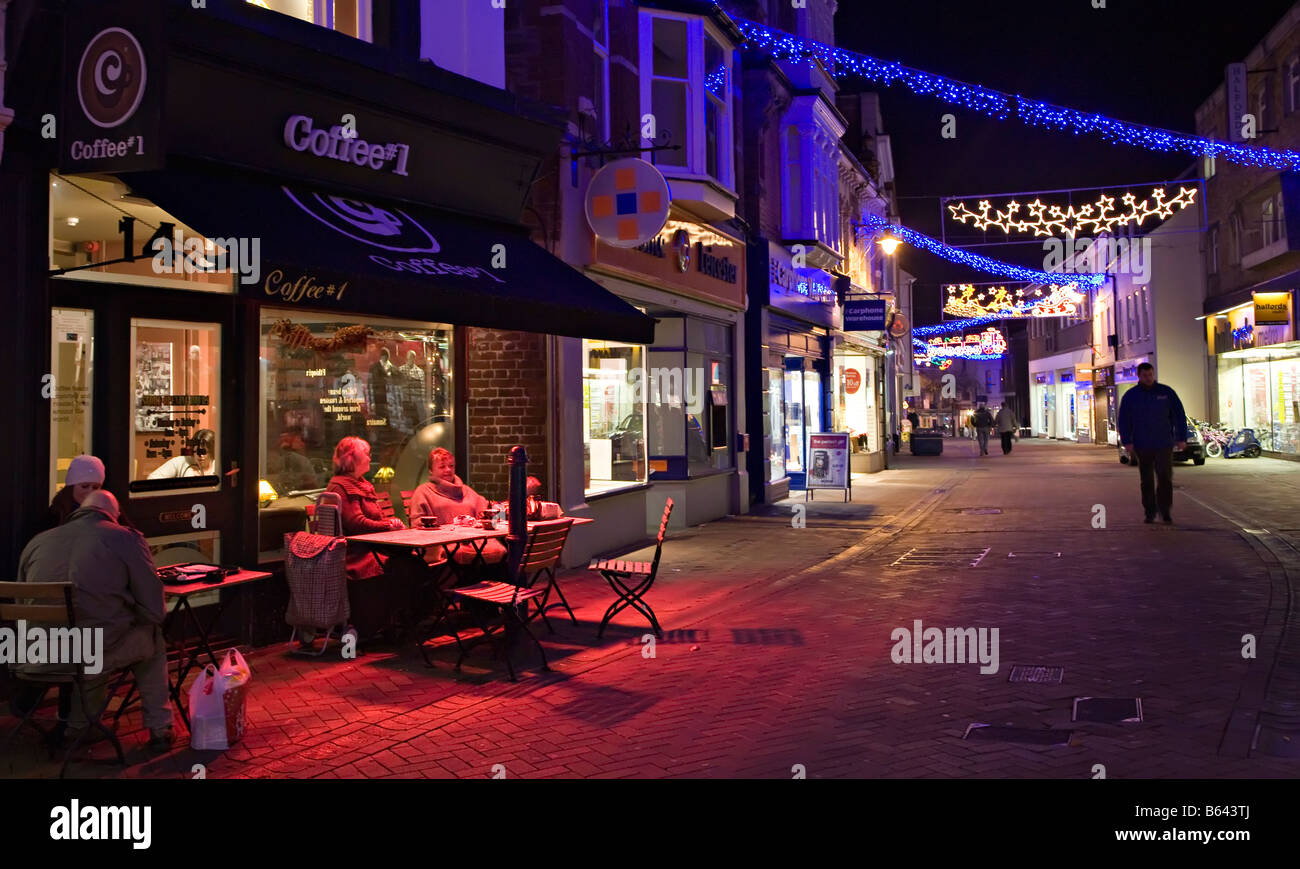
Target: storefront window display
(614,412)
(1260,389)
(1082,415)
(72,366)
(774,427)
(855,388)
(325,377)
(794,422)
(176,405)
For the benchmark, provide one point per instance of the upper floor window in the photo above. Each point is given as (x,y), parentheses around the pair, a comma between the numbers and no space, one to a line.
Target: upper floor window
(1293,85)
(1212,251)
(600,89)
(1234,224)
(1208,167)
(1268,221)
(686,72)
(352,17)
(1261,106)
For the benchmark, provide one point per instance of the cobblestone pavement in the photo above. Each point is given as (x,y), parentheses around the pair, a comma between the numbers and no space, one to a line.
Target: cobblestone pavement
(777,655)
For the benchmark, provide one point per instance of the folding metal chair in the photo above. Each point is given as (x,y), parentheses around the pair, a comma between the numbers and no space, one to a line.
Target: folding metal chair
(54,616)
(512,599)
(541,556)
(642,574)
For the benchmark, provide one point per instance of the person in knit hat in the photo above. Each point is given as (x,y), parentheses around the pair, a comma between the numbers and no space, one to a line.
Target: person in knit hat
(85,475)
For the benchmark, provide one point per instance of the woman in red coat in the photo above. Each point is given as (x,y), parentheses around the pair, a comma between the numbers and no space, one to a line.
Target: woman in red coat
(361,511)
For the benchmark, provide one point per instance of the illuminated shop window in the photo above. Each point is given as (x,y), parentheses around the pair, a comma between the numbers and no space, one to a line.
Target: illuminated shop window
(352,17)
(614,393)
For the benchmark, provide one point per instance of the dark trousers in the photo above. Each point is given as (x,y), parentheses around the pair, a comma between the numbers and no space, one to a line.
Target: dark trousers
(1156,468)
(1006,442)
(982,435)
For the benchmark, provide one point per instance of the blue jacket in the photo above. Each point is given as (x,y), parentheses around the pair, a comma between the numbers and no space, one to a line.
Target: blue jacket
(1151,419)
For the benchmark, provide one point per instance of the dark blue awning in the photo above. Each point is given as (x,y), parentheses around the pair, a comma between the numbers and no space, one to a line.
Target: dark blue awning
(334,250)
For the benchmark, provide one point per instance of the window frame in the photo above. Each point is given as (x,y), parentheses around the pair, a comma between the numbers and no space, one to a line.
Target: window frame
(1293,83)
(601,52)
(697,96)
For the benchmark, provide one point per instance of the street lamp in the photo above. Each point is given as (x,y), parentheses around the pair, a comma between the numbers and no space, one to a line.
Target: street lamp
(889,244)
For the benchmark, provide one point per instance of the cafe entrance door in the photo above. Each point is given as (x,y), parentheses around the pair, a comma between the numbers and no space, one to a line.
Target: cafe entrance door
(163,413)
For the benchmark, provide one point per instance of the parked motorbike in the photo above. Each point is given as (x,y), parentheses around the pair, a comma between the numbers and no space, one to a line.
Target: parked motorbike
(1244,443)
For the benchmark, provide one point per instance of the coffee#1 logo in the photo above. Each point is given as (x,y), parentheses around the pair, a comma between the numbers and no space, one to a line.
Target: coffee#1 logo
(111,78)
(389,229)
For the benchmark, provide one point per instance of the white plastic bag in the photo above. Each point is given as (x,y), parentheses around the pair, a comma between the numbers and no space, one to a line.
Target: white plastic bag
(217,702)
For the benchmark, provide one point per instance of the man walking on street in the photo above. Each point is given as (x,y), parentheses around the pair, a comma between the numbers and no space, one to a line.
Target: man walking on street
(1006,427)
(983,422)
(1152,425)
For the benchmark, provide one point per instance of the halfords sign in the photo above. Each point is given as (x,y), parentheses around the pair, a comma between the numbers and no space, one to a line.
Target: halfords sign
(1272,309)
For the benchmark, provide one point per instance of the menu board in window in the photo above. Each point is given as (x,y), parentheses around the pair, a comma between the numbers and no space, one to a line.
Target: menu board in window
(175,405)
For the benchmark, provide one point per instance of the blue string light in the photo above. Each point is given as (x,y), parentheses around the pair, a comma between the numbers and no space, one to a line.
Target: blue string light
(874,223)
(1003,106)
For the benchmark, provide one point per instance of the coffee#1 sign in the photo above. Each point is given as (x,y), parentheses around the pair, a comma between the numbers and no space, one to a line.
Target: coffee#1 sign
(111,116)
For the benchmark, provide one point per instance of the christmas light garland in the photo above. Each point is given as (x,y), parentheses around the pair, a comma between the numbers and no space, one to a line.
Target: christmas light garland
(1045,220)
(874,223)
(1003,106)
(987,345)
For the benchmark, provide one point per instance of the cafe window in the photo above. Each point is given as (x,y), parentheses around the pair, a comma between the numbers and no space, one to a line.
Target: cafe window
(351,17)
(175,407)
(327,376)
(71,384)
(614,411)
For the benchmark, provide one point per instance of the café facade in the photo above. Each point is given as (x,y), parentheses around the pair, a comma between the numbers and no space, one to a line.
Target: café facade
(263,236)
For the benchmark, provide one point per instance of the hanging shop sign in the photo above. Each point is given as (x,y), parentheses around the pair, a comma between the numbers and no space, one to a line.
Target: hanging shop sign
(111,118)
(1104,376)
(828,463)
(865,315)
(1238,97)
(627,202)
(1272,309)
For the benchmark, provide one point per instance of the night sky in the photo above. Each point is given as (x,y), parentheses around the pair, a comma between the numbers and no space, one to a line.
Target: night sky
(1144,61)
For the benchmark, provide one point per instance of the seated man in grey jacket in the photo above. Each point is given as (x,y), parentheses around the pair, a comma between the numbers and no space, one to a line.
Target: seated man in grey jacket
(117,591)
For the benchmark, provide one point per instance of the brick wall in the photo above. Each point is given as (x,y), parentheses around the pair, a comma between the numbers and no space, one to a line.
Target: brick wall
(506,393)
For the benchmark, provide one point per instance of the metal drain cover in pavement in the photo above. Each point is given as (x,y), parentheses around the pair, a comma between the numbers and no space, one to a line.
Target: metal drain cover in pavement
(1043,554)
(1041,675)
(919,556)
(1108,710)
(981,511)
(1032,735)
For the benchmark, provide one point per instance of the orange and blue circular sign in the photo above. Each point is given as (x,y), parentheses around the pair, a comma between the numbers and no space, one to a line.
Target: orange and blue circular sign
(627,202)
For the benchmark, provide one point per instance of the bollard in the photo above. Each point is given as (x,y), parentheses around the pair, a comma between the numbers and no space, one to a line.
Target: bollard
(518,536)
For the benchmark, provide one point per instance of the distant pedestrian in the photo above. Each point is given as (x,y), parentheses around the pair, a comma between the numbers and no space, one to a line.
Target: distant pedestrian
(1152,424)
(983,422)
(914,419)
(1006,423)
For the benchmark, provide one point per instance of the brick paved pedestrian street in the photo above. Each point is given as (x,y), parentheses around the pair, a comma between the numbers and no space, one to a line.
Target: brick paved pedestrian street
(777,651)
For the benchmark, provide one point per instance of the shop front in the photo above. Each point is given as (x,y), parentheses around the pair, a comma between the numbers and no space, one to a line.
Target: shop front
(858,385)
(1257,369)
(791,317)
(1042,393)
(1059,411)
(1082,411)
(660,418)
(1105,405)
(222,313)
